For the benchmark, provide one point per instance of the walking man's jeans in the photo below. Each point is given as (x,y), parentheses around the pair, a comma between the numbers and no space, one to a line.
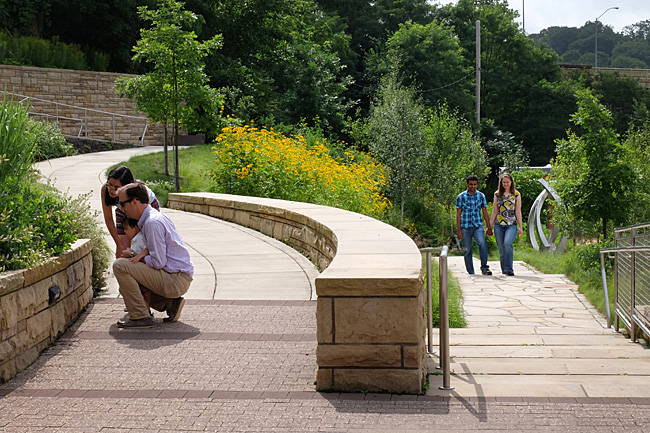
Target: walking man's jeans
(477,234)
(505,235)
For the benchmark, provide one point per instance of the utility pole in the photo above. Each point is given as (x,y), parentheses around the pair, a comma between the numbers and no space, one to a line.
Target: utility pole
(478,72)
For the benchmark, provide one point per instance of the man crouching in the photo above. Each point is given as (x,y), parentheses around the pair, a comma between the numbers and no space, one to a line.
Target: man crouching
(166,271)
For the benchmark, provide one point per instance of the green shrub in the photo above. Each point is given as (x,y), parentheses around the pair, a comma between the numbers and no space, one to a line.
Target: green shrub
(34,224)
(31,51)
(16,151)
(587,257)
(49,142)
(87,228)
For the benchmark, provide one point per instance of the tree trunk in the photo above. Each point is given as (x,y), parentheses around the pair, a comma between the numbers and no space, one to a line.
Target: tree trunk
(177,178)
(604,228)
(165,141)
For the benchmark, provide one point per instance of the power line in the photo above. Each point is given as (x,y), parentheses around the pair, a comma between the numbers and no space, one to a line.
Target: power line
(450,84)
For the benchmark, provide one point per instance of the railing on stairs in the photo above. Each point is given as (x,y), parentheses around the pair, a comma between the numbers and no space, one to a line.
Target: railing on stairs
(83,125)
(631,255)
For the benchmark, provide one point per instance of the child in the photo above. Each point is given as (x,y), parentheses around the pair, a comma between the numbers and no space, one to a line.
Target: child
(137,251)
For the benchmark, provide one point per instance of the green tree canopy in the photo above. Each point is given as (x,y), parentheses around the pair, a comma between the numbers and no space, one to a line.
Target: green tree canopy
(176,90)
(594,179)
(431,60)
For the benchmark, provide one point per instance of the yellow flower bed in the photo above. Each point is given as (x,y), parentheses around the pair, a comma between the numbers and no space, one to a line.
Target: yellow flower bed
(264,163)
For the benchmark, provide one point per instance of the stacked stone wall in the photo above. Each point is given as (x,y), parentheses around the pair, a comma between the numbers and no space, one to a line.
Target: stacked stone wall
(94,95)
(370,309)
(29,320)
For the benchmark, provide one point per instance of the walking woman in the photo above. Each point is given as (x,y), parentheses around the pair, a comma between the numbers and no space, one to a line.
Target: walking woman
(506,220)
(117,178)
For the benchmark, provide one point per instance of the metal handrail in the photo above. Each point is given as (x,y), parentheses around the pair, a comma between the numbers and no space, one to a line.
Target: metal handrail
(443,312)
(84,121)
(627,313)
(608,252)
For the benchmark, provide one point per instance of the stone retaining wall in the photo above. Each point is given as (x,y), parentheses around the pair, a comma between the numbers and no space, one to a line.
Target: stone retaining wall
(29,323)
(370,308)
(87,89)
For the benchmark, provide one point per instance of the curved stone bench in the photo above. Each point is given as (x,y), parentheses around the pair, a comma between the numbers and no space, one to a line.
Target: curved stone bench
(30,320)
(370,308)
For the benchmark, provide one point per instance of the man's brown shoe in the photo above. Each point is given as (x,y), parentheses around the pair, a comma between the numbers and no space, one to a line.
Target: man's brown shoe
(174,312)
(147,322)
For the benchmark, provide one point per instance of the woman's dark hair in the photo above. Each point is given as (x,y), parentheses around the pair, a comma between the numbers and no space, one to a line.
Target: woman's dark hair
(121,174)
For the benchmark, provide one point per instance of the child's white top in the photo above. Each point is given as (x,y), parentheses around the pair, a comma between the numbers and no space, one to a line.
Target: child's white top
(137,244)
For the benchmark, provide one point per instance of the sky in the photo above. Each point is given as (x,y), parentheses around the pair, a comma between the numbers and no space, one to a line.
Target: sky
(541,14)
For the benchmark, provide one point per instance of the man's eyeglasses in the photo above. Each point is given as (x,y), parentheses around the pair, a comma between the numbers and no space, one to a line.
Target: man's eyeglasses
(122,203)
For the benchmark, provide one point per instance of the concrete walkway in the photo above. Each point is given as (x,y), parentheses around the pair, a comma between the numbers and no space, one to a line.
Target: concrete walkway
(231,262)
(535,356)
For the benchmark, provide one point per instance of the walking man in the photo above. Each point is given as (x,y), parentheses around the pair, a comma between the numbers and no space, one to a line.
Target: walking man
(166,271)
(470,204)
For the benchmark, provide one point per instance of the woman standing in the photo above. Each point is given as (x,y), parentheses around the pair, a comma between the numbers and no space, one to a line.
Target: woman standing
(506,212)
(117,178)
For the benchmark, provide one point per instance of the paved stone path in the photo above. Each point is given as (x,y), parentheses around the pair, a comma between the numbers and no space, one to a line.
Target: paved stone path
(535,335)
(248,365)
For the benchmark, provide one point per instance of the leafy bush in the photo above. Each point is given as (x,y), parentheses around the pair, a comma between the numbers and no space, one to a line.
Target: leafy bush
(263,163)
(87,228)
(34,224)
(587,257)
(31,51)
(16,152)
(49,142)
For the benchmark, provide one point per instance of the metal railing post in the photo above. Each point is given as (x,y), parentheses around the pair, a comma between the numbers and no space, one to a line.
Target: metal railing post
(444,321)
(632,305)
(429,288)
(605,292)
(430,305)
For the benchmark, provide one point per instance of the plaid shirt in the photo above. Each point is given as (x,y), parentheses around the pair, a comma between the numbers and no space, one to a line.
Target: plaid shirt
(470,206)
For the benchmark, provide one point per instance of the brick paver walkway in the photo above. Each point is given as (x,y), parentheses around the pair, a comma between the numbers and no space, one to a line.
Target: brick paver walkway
(249,366)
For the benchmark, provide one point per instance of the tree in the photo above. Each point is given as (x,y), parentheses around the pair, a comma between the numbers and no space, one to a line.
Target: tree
(638,50)
(594,179)
(175,90)
(637,147)
(451,152)
(280,61)
(396,130)
(512,66)
(431,60)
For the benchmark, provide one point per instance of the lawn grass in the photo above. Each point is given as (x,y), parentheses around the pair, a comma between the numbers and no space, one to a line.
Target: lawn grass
(195,164)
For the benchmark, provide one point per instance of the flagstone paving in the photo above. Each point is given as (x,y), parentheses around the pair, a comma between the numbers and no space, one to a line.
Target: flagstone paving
(535,334)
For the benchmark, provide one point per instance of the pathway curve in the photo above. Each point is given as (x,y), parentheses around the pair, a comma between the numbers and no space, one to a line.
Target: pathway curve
(231,262)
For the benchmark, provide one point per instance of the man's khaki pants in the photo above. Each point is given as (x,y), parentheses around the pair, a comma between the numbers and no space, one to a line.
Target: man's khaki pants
(164,286)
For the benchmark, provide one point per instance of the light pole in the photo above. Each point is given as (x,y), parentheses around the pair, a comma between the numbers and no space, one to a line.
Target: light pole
(596,38)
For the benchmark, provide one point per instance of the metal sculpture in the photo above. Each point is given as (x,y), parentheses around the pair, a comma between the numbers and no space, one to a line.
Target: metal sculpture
(535,222)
